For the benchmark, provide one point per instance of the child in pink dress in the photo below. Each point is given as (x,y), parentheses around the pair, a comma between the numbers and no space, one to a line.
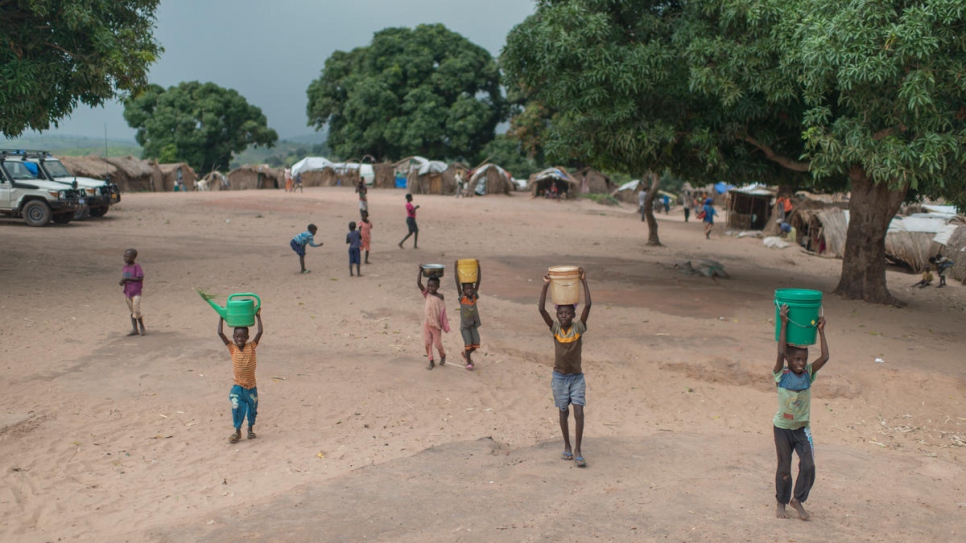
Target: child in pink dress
(365,228)
(434,318)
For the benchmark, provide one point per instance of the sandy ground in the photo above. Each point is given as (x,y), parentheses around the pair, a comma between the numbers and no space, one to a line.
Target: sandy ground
(112,438)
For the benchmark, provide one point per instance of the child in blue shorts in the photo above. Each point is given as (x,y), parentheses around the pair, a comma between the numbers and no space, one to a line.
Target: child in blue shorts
(354,239)
(303,240)
(568,379)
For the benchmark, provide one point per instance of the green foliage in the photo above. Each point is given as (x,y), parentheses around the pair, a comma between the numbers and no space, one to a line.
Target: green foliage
(56,54)
(603,199)
(204,122)
(424,91)
(284,153)
(506,152)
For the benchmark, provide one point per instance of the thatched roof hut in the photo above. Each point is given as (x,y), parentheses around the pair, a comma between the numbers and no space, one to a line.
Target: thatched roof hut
(593,181)
(490,179)
(256,176)
(169,175)
(431,176)
(130,174)
(559,177)
(627,192)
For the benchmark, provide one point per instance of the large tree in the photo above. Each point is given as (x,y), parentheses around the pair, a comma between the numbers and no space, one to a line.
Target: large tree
(877,91)
(56,54)
(424,91)
(198,123)
(612,74)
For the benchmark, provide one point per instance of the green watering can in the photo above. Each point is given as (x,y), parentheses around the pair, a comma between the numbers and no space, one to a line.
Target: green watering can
(239,309)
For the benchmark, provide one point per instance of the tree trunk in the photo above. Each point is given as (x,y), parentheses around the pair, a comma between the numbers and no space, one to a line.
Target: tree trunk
(871,209)
(652,237)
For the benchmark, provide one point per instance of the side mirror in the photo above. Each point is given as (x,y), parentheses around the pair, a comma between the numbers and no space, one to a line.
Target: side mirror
(74,184)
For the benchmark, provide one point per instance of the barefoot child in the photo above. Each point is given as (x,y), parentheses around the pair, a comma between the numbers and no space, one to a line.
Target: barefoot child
(791,423)
(302,240)
(365,228)
(132,279)
(469,293)
(354,239)
(434,318)
(926,278)
(568,379)
(243,395)
(411,223)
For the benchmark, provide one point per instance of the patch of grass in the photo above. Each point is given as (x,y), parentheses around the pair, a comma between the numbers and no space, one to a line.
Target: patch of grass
(602,199)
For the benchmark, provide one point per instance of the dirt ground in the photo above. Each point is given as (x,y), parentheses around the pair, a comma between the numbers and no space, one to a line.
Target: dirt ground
(112,438)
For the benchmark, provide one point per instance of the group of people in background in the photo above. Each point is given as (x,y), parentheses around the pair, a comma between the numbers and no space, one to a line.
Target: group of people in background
(702,204)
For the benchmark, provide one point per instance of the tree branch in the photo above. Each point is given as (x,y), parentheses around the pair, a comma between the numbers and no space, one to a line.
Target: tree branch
(782,160)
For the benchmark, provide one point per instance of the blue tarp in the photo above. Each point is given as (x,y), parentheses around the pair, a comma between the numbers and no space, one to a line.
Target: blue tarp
(400,181)
(722,187)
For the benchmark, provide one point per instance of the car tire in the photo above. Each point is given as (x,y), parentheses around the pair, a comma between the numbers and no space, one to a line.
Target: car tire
(99,211)
(63,218)
(36,213)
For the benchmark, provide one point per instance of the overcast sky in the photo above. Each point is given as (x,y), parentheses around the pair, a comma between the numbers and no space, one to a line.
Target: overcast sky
(269,51)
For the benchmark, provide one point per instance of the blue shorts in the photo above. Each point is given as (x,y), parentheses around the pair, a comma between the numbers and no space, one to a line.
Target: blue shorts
(354,256)
(568,389)
(411,223)
(299,249)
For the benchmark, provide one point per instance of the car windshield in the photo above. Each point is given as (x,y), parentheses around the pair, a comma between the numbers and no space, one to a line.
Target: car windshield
(22,170)
(56,168)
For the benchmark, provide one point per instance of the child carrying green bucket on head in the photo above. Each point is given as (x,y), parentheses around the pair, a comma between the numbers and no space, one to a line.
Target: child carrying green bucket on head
(244,394)
(793,379)
(469,294)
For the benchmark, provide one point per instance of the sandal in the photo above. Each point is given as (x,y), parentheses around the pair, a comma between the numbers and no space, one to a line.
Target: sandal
(251,435)
(567,456)
(469,367)
(234,438)
(580,462)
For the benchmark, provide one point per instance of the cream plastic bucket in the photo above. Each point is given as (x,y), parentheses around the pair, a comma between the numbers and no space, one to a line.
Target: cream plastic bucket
(466,270)
(564,285)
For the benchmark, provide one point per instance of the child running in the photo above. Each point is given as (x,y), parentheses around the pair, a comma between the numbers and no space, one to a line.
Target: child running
(469,293)
(303,240)
(132,279)
(365,229)
(791,422)
(244,394)
(354,239)
(708,218)
(434,318)
(568,383)
(411,223)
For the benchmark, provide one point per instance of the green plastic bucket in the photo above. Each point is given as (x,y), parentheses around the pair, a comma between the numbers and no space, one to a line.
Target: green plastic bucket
(804,309)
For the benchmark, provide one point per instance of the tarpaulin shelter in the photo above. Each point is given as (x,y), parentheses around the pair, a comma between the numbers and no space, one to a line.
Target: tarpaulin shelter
(750,207)
(490,179)
(558,177)
(593,181)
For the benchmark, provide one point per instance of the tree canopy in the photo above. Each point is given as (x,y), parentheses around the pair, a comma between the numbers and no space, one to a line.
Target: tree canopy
(865,96)
(56,54)
(198,123)
(424,91)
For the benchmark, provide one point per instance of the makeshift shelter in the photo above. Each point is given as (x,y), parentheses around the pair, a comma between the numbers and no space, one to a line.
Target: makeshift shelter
(912,240)
(430,176)
(559,177)
(89,166)
(593,181)
(627,192)
(490,179)
(134,174)
(384,176)
(750,207)
(169,176)
(256,176)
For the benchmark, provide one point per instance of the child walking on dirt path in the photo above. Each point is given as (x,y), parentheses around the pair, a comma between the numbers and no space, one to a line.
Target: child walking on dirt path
(363,199)
(568,383)
(469,294)
(434,318)
(793,378)
(411,223)
(708,213)
(354,239)
(244,394)
(365,230)
(132,279)
(303,240)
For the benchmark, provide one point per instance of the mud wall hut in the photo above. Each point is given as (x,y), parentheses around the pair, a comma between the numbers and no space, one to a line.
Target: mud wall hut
(593,181)
(385,176)
(217,181)
(169,176)
(750,207)
(256,176)
(430,176)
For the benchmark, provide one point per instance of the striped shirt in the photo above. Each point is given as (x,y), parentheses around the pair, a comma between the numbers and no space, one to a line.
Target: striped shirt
(243,364)
(568,345)
(305,238)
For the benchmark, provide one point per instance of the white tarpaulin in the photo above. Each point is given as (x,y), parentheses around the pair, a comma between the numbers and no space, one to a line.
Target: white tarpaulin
(754,189)
(311,163)
(920,222)
(426,166)
(943,236)
(630,185)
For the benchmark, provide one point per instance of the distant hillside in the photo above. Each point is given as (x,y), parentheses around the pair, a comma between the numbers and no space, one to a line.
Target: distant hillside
(73,145)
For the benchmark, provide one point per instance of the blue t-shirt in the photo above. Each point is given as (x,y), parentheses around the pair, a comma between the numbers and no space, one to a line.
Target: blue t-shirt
(354,238)
(305,238)
(709,213)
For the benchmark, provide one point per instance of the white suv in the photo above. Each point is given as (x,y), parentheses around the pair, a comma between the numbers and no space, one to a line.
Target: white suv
(26,194)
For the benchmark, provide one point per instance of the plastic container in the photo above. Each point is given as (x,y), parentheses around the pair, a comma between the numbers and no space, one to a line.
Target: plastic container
(239,310)
(564,285)
(433,270)
(804,309)
(466,270)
